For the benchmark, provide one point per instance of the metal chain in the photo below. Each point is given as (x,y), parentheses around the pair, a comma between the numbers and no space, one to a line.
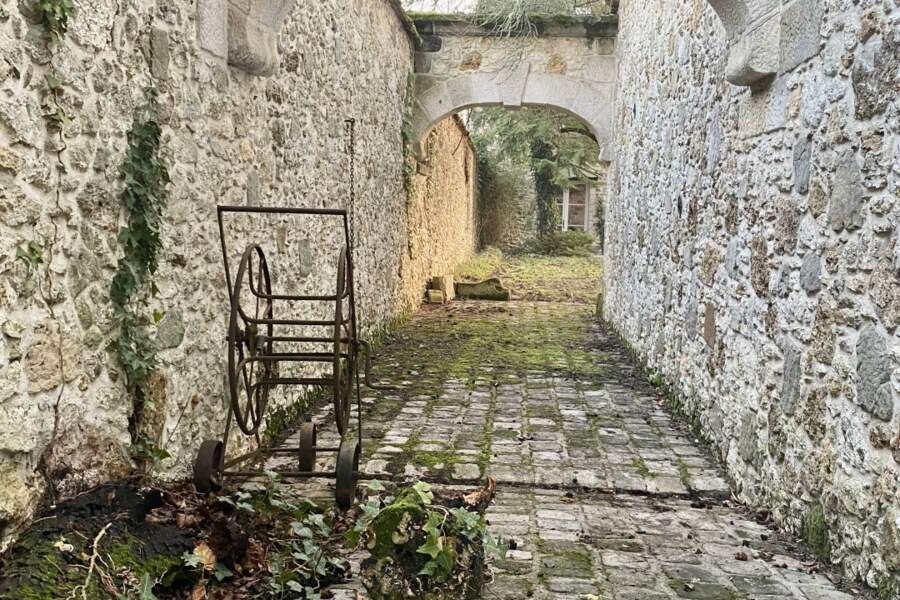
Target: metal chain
(351,209)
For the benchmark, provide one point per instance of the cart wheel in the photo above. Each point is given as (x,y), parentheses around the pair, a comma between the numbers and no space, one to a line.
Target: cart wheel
(208,467)
(347,473)
(307,446)
(250,367)
(342,369)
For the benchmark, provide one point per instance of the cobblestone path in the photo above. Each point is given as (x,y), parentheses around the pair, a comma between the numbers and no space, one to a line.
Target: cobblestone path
(605,495)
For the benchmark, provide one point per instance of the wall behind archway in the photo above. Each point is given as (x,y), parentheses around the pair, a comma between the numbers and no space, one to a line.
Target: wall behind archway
(753,255)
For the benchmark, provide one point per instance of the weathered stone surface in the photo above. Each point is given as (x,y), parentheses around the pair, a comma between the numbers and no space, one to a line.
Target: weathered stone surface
(873,374)
(845,206)
(52,358)
(489,289)
(159,52)
(802,161)
(801,40)
(170,331)
(709,325)
(875,76)
(790,384)
(811,273)
(759,265)
(818,138)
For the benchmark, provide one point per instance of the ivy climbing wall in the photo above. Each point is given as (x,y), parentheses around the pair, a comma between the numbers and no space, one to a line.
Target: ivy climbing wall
(99,108)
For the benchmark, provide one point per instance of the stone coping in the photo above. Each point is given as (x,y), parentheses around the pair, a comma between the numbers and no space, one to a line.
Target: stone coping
(547,26)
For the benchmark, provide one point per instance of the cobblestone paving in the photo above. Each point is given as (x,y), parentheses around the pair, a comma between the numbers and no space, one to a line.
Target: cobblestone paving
(603,493)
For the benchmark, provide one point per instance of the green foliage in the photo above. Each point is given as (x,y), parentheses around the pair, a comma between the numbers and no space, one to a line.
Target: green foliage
(562,243)
(558,149)
(144,195)
(304,559)
(499,185)
(435,542)
(31,253)
(54,16)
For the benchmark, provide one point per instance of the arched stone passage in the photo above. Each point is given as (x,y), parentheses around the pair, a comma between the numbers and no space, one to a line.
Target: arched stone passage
(436,100)
(569,65)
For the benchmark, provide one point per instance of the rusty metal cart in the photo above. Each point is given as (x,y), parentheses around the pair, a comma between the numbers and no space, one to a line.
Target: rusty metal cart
(262,340)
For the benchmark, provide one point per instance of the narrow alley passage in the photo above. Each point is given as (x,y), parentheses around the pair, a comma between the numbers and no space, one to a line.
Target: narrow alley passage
(603,493)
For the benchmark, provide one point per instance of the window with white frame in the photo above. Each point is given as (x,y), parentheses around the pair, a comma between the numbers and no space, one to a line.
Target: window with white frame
(574,209)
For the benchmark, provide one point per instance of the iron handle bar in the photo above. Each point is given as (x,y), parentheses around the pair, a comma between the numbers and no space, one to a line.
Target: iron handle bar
(294,450)
(289,474)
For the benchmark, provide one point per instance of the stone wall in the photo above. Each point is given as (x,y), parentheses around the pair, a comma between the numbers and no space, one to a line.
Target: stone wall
(228,138)
(440,210)
(753,257)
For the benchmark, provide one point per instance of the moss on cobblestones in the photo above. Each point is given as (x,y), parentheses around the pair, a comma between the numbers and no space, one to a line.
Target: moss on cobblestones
(539,278)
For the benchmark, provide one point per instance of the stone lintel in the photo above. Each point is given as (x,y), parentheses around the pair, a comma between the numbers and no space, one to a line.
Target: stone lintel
(569,27)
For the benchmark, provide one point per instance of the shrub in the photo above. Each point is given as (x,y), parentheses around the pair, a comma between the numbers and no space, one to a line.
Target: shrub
(562,243)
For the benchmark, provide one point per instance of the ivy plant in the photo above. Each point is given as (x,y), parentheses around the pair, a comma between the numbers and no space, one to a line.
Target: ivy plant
(418,545)
(54,16)
(145,176)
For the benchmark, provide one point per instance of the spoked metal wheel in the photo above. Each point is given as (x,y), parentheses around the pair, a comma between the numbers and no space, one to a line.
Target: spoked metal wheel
(307,449)
(250,343)
(347,473)
(344,365)
(208,467)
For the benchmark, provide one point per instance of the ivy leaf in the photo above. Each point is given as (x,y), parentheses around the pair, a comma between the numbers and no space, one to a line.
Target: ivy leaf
(221,572)
(423,491)
(145,588)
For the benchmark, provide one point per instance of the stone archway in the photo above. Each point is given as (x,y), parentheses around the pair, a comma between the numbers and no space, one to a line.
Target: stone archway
(436,100)
(568,65)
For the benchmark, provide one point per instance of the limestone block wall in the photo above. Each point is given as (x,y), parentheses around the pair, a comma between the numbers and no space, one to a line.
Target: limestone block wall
(228,138)
(440,210)
(752,257)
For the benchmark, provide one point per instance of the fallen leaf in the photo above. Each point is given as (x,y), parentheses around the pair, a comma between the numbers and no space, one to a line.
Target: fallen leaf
(207,557)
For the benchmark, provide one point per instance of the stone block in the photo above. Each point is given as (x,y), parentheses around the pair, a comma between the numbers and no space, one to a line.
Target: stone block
(873,374)
(801,40)
(435,297)
(765,110)
(753,58)
(846,204)
(489,289)
(159,53)
(790,383)
(212,26)
(444,283)
(709,325)
(802,156)
(811,273)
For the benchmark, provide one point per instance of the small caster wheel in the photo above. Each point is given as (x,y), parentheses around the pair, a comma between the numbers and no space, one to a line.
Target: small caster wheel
(208,467)
(307,449)
(346,473)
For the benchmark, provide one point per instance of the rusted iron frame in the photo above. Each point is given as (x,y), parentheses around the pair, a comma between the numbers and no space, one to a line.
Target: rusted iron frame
(286,357)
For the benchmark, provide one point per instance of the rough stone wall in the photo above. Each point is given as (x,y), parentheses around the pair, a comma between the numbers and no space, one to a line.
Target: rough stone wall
(440,210)
(753,258)
(228,138)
